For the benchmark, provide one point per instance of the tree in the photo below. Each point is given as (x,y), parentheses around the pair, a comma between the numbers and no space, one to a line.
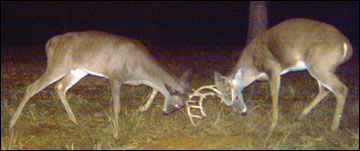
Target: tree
(257,19)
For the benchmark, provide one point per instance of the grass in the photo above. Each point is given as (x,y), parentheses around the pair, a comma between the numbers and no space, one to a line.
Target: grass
(44,123)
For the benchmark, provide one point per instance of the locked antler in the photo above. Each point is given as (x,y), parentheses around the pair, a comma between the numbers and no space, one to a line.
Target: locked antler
(202,96)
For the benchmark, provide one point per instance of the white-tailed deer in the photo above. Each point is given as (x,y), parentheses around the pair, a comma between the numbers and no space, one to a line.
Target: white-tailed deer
(72,56)
(295,44)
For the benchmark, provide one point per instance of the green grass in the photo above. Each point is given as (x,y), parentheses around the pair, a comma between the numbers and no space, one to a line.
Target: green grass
(44,123)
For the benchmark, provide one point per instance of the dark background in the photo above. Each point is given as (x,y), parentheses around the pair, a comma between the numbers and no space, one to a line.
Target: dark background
(195,24)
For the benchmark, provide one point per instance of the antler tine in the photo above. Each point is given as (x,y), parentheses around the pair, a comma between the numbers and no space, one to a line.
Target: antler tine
(211,87)
(201,96)
(191,115)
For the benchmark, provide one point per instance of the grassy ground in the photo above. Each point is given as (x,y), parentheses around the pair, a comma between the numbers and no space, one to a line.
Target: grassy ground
(44,123)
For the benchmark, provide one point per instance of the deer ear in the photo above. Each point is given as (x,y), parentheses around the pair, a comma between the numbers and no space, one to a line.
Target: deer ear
(220,82)
(170,89)
(239,73)
(186,78)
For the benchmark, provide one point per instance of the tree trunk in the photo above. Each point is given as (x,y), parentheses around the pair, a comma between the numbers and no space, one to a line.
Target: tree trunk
(257,19)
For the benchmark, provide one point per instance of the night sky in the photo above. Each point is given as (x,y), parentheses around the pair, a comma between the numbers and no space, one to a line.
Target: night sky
(166,22)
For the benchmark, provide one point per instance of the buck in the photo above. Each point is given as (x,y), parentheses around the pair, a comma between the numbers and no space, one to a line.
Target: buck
(295,44)
(72,56)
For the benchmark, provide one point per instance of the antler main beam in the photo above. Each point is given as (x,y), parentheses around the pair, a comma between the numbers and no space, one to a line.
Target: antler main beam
(202,96)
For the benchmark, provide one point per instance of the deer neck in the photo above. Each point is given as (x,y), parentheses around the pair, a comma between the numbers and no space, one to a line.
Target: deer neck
(247,65)
(155,77)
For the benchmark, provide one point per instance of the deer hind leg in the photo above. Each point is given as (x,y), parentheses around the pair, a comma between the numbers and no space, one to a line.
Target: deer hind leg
(50,76)
(149,101)
(328,79)
(64,84)
(320,96)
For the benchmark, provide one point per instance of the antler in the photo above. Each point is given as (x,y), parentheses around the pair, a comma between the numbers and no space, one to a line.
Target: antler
(202,96)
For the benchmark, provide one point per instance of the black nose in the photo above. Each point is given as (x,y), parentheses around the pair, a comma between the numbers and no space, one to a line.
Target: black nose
(244,113)
(166,113)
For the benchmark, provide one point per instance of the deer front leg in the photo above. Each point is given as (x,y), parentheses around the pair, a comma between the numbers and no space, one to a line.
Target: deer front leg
(149,101)
(274,90)
(115,92)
